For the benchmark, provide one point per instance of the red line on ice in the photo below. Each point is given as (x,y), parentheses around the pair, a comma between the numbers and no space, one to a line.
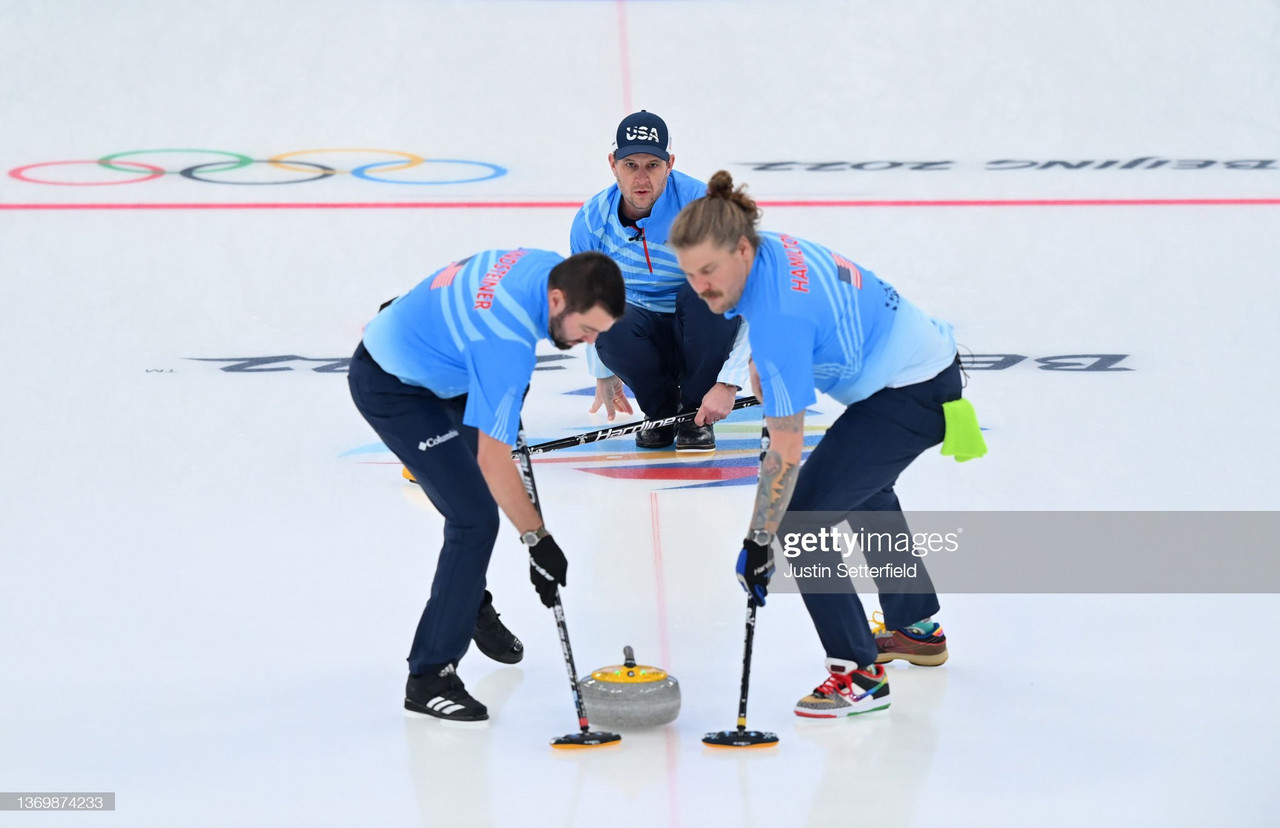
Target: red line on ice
(573,205)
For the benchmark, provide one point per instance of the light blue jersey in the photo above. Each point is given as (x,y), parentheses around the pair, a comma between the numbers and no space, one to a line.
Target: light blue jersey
(471,328)
(649,268)
(819,321)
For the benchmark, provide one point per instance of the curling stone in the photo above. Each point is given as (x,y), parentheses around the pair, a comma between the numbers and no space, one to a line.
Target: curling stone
(630,694)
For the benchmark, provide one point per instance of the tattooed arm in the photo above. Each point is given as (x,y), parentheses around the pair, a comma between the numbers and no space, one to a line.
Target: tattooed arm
(778,471)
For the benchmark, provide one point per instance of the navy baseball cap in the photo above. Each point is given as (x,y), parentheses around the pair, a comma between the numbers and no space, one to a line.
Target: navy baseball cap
(642,132)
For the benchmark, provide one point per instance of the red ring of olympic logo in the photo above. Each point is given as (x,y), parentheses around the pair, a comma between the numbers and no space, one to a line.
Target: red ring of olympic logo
(419,170)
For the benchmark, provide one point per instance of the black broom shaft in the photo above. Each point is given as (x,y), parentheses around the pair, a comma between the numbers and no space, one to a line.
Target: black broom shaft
(568,663)
(751,621)
(746,664)
(531,486)
(624,430)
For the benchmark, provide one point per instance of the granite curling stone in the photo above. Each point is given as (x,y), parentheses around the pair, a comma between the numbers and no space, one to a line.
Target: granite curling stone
(630,694)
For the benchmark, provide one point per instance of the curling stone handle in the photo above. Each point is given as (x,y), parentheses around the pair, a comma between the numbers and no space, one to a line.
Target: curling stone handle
(628,656)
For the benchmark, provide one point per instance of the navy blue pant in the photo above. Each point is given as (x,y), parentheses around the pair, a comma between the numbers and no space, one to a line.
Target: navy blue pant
(669,360)
(427,434)
(853,469)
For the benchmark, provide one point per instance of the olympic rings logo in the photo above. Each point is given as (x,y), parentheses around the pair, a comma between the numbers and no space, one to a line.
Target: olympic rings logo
(272,171)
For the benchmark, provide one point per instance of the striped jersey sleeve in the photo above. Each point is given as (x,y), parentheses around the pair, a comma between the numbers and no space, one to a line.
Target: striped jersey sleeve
(471,328)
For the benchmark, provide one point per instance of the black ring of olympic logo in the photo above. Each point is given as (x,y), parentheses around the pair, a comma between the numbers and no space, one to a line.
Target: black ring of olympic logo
(190,172)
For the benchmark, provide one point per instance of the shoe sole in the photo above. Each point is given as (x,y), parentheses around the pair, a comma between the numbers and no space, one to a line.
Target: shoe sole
(680,450)
(914,658)
(506,657)
(809,714)
(414,707)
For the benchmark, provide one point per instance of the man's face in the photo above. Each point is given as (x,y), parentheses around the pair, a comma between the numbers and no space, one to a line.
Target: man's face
(717,274)
(568,329)
(641,179)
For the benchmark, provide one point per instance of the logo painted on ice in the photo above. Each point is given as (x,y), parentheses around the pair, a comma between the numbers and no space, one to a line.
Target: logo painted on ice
(328,365)
(1080,363)
(737,458)
(365,163)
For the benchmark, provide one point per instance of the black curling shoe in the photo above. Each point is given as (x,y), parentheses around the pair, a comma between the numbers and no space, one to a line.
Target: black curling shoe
(492,636)
(695,438)
(444,696)
(656,438)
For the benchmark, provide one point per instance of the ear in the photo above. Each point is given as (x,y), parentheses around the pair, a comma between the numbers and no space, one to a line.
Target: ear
(612,161)
(671,161)
(744,248)
(555,301)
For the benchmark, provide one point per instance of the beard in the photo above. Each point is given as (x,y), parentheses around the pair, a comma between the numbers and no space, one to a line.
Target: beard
(641,207)
(556,330)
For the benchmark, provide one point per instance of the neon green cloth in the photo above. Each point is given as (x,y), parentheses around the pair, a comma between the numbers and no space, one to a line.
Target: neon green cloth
(963,439)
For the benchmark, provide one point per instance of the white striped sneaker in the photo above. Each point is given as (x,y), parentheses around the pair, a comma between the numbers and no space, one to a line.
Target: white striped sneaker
(443,696)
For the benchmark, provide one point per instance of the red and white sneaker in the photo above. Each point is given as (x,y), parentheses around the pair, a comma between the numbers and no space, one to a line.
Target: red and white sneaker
(847,691)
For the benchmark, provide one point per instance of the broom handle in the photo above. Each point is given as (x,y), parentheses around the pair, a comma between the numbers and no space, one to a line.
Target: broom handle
(746,664)
(531,487)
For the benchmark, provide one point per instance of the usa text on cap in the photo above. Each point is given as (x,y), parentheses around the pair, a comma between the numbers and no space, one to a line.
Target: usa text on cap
(643,132)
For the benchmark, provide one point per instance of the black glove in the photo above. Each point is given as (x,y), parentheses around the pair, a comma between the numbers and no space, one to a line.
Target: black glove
(547,567)
(755,565)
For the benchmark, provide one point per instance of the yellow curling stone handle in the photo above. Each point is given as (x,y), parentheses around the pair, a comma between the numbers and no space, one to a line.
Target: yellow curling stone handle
(629,672)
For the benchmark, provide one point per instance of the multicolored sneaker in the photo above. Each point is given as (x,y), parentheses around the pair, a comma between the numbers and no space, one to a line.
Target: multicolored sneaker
(921,643)
(847,691)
